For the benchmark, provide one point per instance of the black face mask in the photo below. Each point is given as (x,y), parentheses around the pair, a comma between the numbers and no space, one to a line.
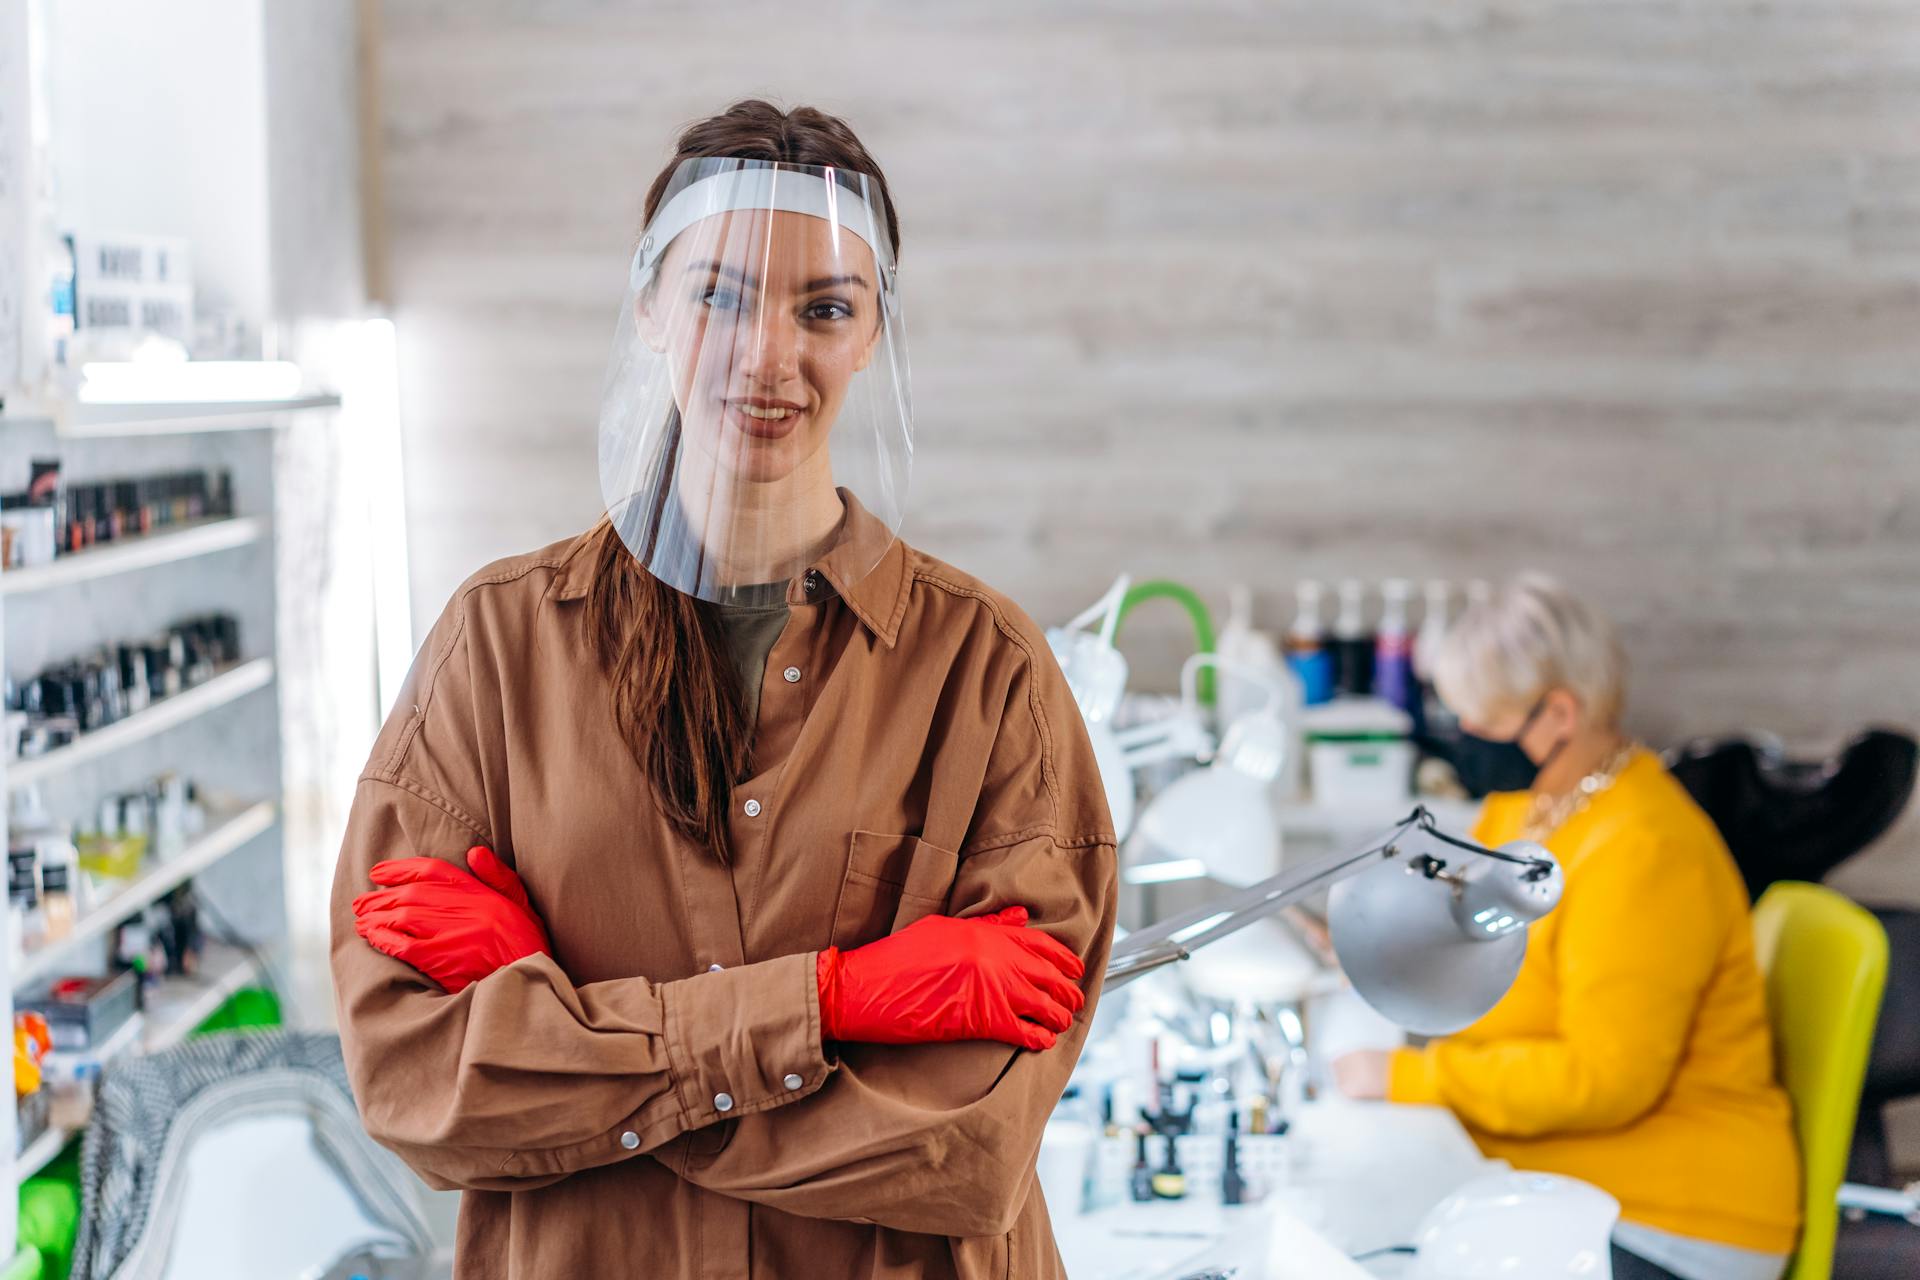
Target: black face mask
(1499,764)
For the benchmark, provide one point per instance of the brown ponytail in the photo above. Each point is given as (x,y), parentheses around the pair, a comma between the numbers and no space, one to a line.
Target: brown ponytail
(676,698)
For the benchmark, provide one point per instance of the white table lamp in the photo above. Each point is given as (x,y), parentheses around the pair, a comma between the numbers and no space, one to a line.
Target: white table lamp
(1429,928)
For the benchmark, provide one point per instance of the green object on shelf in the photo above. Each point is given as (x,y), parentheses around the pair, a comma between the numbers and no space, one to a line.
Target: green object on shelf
(50,1214)
(1165,589)
(25,1265)
(247,1007)
(50,1217)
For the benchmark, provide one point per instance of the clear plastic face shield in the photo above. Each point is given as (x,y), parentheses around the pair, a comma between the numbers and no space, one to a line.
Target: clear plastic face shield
(756,421)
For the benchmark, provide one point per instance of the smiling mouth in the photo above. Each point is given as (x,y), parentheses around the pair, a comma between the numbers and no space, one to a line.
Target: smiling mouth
(764,419)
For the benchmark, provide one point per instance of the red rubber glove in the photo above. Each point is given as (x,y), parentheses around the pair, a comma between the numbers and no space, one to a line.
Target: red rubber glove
(454,927)
(943,978)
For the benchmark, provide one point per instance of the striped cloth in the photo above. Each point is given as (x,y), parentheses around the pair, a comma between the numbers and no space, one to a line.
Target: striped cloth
(150,1109)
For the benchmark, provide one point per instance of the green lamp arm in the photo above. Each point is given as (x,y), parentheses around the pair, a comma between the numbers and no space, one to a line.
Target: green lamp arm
(1203,637)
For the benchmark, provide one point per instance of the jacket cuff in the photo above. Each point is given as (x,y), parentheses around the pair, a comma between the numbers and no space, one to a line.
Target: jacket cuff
(745,1040)
(1413,1078)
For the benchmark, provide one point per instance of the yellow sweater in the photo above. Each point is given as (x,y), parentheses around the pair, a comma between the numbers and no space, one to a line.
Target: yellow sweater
(1633,1051)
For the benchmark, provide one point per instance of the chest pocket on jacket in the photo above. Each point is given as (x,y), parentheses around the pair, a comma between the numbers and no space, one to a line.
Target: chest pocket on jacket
(891,881)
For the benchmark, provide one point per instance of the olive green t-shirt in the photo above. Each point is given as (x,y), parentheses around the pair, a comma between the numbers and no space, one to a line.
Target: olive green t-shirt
(749,634)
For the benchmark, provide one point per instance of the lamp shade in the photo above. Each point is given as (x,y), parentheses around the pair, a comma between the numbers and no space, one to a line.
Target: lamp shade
(1222,815)
(1413,948)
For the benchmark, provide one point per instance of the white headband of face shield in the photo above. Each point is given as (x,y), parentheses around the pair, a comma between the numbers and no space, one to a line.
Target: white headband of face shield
(776,190)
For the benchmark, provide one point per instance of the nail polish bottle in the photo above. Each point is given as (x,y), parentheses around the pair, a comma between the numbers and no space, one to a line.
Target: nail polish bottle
(1141,1185)
(1233,1186)
(102,512)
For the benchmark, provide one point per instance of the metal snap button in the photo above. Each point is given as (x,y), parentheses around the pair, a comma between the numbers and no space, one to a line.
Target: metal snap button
(791,675)
(792,1081)
(753,808)
(723,1102)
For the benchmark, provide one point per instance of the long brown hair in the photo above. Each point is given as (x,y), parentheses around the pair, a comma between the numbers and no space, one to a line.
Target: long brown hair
(676,697)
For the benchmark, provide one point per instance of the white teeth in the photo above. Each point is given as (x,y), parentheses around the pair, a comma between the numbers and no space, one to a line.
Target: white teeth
(771,415)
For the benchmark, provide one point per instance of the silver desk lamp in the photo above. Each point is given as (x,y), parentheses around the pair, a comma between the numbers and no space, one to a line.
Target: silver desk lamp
(1430,929)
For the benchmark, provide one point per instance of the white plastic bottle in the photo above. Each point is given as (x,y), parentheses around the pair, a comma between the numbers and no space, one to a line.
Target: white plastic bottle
(1245,653)
(1433,628)
(1251,665)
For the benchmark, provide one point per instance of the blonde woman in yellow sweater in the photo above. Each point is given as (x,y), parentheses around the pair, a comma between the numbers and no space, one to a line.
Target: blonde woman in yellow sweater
(1633,1051)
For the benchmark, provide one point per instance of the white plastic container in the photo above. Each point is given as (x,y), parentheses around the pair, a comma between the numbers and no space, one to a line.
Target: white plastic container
(1362,775)
(1360,756)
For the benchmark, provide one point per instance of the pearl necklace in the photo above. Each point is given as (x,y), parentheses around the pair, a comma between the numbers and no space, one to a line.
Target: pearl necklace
(1549,813)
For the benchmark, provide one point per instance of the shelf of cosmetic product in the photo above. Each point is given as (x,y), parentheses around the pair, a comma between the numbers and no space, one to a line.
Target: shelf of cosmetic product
(77,420)
(182,543)
(229,686)
(174,1007)
(221,838)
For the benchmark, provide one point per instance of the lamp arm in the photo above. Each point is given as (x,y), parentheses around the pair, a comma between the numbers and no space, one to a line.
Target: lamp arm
(1178,937)
(1174,738)
(1197,663)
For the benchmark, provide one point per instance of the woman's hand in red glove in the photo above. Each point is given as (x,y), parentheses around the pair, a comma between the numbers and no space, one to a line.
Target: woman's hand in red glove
(943,978)
(454,927)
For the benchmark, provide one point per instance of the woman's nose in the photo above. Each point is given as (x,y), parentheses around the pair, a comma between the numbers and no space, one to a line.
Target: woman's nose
(770,349)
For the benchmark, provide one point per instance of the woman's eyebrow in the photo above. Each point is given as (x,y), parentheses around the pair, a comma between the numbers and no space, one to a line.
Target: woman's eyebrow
(828,282)
(708,267)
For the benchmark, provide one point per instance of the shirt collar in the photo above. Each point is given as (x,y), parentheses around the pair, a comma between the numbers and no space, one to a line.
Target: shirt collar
(876,595)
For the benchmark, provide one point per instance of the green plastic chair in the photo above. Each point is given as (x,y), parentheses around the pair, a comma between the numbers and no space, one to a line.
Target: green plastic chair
(1825,961)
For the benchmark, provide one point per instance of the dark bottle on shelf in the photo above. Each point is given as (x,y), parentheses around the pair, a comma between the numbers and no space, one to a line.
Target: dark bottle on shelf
(1233,1185)
(1353,644)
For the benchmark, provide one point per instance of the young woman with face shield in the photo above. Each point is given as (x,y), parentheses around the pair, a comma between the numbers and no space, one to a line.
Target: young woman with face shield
(1633,1050)
(727,895)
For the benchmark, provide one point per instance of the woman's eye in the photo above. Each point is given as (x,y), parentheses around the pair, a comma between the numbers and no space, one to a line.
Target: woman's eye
(829,311)
(721,298)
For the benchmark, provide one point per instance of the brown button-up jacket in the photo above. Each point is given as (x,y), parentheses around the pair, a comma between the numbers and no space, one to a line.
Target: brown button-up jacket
(655,1100)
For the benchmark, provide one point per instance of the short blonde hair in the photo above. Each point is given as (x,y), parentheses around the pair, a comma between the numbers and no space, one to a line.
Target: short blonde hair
(1532,636)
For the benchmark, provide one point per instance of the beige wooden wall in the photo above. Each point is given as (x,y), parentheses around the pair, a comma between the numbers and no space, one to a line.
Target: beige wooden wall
(1248,291)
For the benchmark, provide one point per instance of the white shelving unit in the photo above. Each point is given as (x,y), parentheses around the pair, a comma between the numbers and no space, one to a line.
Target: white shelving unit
(222,734)
(195,167)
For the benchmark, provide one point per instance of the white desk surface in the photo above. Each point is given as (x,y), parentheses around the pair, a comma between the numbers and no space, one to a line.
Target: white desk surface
(1366,1173)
